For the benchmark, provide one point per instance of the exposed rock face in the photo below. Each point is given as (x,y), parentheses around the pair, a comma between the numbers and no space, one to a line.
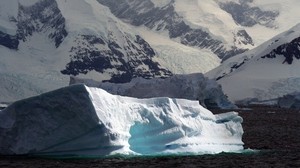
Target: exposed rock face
(246,15)
(9,41)
(242,37)
(265,73)
(117,52)
(290,51)
(124,61)
(42,17)
(52,43)
(145,13)
(128,57)
(45,17)
(192,87)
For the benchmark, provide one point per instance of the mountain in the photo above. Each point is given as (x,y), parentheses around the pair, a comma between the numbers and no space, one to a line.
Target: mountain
(87,122)
(165,16)
(224,27)
(43,42)
(266,72)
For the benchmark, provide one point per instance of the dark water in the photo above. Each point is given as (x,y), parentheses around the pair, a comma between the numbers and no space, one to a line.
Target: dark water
(266,159)
(273,132)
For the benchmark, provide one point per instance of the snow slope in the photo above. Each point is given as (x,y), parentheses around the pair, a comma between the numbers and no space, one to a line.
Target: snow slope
(266,72)
(8,10)
(209,15)
(31,70)
(179,58)
(166,19)
(42,39)
(42,42)
(225,27)
(83,121)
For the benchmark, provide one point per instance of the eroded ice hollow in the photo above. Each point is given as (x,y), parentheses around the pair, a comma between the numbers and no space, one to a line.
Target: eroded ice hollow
(83,121)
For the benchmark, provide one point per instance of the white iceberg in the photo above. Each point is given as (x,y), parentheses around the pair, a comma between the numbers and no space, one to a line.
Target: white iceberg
(83,121)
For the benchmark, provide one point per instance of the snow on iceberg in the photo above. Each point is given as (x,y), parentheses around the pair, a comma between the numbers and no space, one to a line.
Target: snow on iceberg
(83,121)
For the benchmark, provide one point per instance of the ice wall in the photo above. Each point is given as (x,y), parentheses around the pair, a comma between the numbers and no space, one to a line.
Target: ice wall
(291,101)
(191,86)
(78,120)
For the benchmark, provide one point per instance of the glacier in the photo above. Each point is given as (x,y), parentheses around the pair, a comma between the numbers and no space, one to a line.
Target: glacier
(83,121)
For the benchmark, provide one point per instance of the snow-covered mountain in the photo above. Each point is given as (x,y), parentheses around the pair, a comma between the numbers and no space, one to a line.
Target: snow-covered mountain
(42,42)
(165,16)
(82,121)
(225,27)
(266,72)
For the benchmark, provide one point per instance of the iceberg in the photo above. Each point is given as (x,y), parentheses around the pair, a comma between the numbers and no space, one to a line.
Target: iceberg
(289,101)
(83,121)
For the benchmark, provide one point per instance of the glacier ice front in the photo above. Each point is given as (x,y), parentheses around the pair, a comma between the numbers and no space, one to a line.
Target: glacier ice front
(83,121)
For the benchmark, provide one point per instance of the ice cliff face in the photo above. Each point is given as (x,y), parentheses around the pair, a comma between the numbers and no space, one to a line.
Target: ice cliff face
(192,87)
(78,120)
(290,101)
